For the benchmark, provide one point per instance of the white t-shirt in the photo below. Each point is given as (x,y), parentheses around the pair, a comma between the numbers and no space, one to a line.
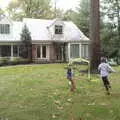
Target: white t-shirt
(104,69)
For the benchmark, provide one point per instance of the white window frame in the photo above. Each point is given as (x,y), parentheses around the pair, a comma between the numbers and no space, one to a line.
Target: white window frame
(41,51)
(85,51)
(60,31)
(4,29)
(78,44)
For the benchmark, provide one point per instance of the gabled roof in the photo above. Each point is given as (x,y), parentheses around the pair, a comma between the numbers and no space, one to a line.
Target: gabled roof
(15,31)
(4,18)
(39,31)
(38,28)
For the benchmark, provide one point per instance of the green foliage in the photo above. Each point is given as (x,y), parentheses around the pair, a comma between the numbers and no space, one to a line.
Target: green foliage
(82,19)
(110,33)
(1,12)
(26,46)
(70,15)
(25,35)
(4,60)
(29,8)
(12,61)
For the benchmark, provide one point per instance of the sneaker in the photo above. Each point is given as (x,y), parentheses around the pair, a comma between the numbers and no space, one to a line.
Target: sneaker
(108,93)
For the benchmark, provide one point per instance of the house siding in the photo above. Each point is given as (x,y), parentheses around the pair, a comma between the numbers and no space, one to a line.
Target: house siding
(33,52)
(52,53)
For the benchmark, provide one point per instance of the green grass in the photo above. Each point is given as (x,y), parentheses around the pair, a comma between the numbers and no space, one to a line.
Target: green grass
(40,92)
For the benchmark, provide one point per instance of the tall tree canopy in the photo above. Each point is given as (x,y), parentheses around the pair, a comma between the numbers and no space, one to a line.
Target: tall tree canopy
(111,31)
(29,8)
(82,19)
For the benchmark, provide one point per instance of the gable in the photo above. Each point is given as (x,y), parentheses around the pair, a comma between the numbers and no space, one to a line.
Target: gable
(56,22)
(6,28)
(5,20)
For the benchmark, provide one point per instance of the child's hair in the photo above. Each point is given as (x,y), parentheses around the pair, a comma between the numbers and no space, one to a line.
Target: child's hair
(103,60)
(69,70)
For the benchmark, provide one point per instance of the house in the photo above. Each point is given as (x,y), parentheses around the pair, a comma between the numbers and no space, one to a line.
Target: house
(52,40)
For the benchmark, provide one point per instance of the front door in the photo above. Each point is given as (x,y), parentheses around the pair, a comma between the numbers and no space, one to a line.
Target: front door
(60,51)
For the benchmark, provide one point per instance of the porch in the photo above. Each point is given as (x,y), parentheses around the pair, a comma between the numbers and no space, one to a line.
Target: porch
(9,51)
(47,52)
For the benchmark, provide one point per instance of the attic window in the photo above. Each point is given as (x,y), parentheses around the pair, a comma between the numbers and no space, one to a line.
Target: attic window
(58,29)
(4,28)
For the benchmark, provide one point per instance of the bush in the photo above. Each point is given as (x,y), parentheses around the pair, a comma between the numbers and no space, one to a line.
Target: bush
(13,61)
(4,60)
(19,60)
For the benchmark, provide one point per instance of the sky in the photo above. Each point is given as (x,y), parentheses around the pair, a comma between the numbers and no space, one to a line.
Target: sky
(62,4)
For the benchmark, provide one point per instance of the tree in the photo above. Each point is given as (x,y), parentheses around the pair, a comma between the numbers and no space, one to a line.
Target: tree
(70,15)
(83,17)
(111,10)
(113,13)
(29,8)
(95,34)
(26,44)
(1,14)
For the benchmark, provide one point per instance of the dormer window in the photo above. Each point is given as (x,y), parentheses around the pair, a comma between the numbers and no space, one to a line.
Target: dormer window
(58,29)
(4,28)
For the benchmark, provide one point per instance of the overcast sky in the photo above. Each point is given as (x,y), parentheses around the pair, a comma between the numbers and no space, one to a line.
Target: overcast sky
(63,4)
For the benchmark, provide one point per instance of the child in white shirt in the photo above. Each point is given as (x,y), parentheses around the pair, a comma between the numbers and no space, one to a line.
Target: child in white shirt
(104,69)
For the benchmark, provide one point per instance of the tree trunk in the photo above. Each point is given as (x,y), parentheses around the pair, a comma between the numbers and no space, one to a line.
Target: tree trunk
(95,35)
(118,18)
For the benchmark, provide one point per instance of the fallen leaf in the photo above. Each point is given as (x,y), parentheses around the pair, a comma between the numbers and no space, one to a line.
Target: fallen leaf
(59,108)
(69,100)
(53,116)
(57,102)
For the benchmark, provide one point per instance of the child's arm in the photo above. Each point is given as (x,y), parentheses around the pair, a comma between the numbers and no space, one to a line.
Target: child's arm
(99,69)
(111,69)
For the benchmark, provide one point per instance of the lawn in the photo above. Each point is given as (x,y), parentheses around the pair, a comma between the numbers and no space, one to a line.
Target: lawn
(40,92)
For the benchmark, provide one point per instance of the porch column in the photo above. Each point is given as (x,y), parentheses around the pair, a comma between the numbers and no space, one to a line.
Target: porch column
(18,49)
(80,54)
(68,51)
(11,51)
(48,52)
(62,53)
(0,51)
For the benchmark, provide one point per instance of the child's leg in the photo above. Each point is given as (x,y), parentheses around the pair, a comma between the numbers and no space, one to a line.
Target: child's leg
(108,83)
(73,85)
(105,83)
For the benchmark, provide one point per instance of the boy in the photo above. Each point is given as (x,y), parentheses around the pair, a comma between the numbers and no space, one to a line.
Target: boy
(104,70)
(69,77)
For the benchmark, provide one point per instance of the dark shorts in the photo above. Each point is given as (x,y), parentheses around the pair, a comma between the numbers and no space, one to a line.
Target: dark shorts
(105,80)
(69,77)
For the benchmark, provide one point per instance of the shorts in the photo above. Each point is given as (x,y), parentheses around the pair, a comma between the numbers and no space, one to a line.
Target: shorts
(69,77)
(105,80)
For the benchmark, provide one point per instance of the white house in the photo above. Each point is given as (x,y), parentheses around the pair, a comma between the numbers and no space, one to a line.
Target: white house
(52,40)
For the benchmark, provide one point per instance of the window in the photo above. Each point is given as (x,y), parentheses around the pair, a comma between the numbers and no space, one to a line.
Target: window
(44,51)
(38,52)
(5,51)
(58,29)
(41,51)
(4,28)
(74,50)
(15,51)
(84,51)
